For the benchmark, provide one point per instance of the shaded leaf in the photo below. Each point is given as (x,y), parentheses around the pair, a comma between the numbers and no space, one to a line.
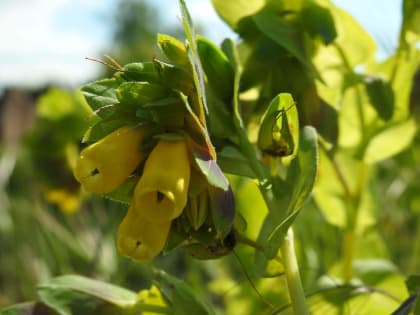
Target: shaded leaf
(381,96)
(30,308)
(182,297)
(318,21)
(100,93)
(222,205)
(285,33)
(71,295)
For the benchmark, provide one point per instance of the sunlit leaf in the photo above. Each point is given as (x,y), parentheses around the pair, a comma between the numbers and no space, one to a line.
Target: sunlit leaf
(232,12)
(390,141)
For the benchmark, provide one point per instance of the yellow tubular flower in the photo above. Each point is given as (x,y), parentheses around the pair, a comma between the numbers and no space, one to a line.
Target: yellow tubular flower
(104,165)
(140,238)
(161,193)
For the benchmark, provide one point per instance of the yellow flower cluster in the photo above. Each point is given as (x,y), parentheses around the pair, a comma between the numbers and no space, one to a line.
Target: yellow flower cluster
(160,195)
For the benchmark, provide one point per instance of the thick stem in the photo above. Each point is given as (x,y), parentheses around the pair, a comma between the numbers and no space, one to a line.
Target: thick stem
(349,239)
(294,284)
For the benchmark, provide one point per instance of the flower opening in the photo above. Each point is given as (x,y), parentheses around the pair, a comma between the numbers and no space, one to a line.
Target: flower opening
(162,191)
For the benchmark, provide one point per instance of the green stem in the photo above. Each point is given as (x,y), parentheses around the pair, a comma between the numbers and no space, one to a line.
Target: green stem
(296,293)
(348,254)
(294,284)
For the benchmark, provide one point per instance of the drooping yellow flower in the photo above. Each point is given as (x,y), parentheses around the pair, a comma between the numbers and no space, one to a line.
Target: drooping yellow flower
(162,191)
(140,238)
(104,165)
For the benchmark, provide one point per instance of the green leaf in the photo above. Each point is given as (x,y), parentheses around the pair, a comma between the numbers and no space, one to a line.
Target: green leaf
(413,283)
(195,62)
(390,141)
(232,161)
(100,93)
(318,21)
(173,49)
(124,192)
(71,295)
(209,167)
(183,298)
(411,19)
(140,93)
(381,96)
(29,308)
(222,205)
(232,12)
(285,33)
(139,71)
(354,43)
(217,68)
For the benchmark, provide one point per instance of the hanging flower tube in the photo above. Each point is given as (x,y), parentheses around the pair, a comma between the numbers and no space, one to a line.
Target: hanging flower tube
(139,237)
(106,164)
(162,191)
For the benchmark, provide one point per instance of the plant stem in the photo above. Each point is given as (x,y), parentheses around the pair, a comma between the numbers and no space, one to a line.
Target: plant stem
(294,284)
(349,238)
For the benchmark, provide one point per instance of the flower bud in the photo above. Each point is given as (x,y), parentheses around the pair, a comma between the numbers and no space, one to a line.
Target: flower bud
(140,238)
(197,210)
(162,191)
(106,164)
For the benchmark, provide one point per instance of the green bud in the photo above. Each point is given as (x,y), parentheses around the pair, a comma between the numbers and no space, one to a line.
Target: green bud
(279,127)
(197,210)
(139,71)
(216,65)
(173,49)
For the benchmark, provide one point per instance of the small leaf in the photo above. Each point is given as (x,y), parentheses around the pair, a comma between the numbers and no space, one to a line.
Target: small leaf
(182,297)
(73,294)
(195,62)
(381,96)
(318,21)
(124,192)
(217,67)
(100,93)
(232,161)
(222,205)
